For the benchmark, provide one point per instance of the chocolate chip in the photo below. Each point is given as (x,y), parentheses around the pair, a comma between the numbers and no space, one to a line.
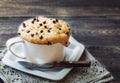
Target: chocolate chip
(33,21)
(48,31)
(45,26)
(24,25)
(67,43)
(49,43)
(28,31)
(19,34)
(32,35)
(36,33)
(54,21)
(37,20)
(41,31)
(67,33)
(60,29)
(40,24)
(41,37)
(44,22)
(69,29)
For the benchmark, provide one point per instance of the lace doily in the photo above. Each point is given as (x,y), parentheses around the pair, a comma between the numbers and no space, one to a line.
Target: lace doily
(95,73)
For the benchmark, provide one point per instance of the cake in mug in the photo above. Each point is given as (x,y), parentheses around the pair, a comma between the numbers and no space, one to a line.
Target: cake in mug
(45,31)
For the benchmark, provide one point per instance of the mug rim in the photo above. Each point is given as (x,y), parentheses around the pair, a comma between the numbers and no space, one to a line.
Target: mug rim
(41,44)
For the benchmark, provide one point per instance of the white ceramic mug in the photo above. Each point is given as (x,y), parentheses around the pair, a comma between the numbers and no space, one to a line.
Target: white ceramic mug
(37,53)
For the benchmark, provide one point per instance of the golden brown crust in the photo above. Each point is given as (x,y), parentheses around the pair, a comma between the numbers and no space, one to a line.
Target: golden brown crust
(42,30)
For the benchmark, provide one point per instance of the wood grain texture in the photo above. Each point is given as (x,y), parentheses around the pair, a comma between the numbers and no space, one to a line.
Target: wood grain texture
(59,7)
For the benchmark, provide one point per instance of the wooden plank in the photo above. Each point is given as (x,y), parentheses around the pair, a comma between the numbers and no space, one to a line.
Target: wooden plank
(91,31)
(59,7)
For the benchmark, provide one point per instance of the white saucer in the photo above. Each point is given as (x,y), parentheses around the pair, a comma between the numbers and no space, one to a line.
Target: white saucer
(73,53)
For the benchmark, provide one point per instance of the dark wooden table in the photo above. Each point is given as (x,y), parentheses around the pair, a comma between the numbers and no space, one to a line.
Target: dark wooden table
(95,23)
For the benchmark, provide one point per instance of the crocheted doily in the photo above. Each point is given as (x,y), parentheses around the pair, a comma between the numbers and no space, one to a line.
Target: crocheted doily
(96,73)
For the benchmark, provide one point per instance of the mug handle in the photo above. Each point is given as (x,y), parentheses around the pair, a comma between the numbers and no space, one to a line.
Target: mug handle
(14,41)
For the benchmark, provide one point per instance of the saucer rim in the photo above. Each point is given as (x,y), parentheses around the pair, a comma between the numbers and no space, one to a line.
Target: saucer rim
(59,76)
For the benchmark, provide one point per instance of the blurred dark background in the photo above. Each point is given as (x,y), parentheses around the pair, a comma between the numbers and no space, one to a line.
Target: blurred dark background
(60,7)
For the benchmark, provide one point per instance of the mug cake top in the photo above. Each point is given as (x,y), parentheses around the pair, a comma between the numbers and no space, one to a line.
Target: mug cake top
(45,31)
